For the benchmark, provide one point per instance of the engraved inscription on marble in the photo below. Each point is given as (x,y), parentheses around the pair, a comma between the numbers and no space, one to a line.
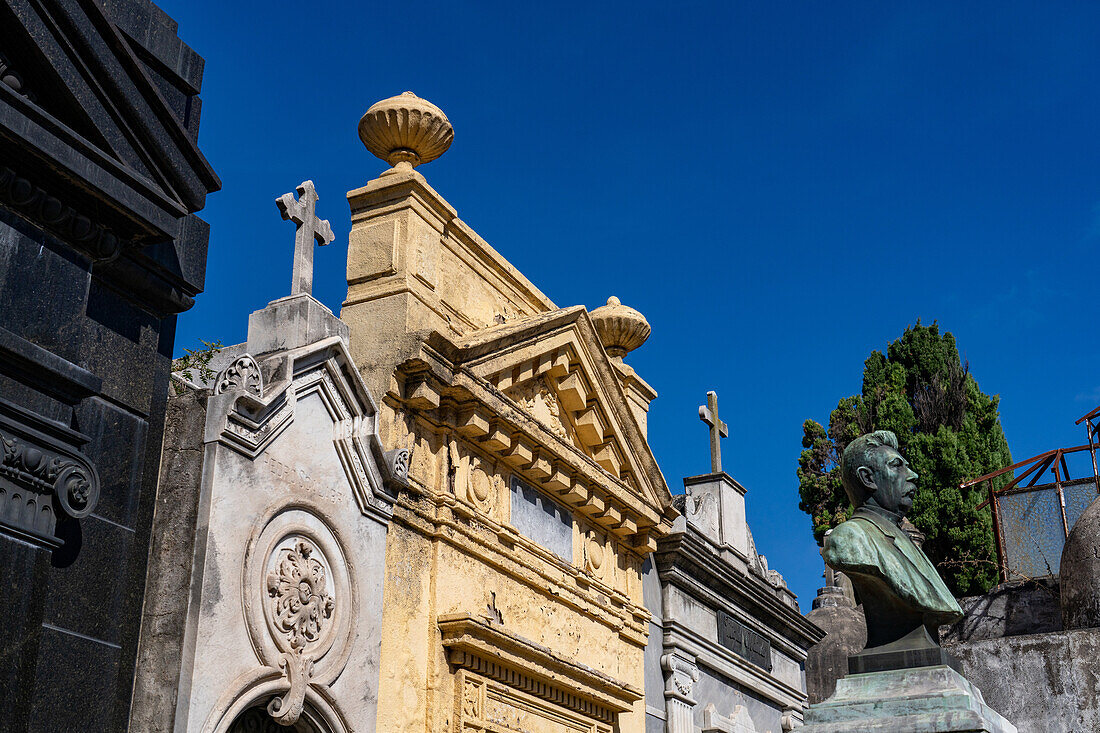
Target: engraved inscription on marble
(743,641)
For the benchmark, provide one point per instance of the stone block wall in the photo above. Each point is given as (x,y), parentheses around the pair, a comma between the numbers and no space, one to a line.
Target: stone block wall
(1040,682)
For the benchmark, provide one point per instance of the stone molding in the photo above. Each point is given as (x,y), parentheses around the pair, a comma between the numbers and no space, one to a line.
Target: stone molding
(43,476)
(46,371)
(492,543)
(492,651)
(715,656)
(51,213)
(615,482)
(688,559)
(246,415)
(256,689)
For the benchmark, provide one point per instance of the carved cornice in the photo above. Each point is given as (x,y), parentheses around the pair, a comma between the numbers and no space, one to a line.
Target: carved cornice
(512,660)
(42,477)
(51,213)
(449,396)
(690,560)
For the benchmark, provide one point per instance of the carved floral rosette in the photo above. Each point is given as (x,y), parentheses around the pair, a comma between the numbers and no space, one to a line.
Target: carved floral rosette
(300,604)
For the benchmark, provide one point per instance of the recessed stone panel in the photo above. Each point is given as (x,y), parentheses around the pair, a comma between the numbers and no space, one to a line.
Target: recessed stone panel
(543,520)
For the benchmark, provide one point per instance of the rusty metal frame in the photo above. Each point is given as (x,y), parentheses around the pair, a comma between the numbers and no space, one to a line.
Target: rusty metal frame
(1053,461)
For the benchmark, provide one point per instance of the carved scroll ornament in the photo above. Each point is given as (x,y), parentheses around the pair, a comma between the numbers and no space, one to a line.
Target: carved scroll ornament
(43,481)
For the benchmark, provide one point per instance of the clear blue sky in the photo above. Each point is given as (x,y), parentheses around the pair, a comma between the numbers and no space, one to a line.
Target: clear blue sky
(779,187)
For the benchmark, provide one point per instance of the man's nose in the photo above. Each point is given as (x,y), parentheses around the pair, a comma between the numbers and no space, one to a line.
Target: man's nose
(912,475)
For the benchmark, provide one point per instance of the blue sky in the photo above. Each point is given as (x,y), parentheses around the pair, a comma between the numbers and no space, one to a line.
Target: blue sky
(779,187)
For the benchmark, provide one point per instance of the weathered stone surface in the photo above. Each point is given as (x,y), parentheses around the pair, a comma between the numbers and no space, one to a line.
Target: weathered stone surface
(1009,609)
(275,509)
(1042,682)
(291,322)
(1080,572)
(920,700)
(164,612)
(845,634)
(487,382)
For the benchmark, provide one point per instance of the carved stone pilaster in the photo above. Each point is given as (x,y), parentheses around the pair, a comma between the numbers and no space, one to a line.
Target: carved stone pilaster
(681,674)
(43,478)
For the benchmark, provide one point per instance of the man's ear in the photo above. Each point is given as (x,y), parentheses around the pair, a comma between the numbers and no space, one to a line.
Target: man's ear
(867,476)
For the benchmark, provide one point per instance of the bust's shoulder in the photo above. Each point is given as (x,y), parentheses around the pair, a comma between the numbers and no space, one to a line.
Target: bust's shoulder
(851,529)
(851,543)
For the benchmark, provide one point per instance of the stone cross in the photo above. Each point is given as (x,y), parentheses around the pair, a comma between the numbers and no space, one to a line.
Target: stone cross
(303,212)
(708,413)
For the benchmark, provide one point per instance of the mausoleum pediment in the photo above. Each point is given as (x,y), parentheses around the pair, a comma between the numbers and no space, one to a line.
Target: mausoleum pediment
(248,415)
(125,129)
(542,393)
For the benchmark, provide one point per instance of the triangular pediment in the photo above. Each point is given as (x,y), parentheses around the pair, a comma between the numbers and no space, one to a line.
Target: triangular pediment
(88,97)
(553,367)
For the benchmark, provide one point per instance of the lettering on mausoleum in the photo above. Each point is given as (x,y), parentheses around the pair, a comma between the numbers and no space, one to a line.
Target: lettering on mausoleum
(743,641)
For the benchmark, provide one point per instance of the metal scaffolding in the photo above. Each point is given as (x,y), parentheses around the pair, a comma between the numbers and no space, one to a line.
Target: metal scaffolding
(1032,520)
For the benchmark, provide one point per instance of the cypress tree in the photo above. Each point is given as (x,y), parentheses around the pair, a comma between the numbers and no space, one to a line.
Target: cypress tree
(947,428)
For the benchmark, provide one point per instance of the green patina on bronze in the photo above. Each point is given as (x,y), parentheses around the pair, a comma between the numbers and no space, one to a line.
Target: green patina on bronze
(903,596)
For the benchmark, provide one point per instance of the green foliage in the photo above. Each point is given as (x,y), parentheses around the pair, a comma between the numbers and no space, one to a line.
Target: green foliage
(197,361)
(947,428)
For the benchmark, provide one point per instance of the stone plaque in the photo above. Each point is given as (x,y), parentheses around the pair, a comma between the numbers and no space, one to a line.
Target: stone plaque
(743,641)
(542,520)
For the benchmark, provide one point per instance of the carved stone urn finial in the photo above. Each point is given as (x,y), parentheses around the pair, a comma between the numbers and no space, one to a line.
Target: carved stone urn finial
(405,131)
(621,328)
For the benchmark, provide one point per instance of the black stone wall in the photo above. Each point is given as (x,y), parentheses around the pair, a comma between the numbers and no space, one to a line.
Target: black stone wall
(100,176)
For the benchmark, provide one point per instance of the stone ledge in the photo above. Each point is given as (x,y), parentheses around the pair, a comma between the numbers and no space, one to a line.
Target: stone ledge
(490,650)
(1029,678)
(923,700)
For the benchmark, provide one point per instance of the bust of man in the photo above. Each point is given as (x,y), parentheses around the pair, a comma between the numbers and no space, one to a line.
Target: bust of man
(902,594)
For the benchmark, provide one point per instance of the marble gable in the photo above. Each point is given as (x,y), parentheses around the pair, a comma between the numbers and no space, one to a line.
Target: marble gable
(288,494)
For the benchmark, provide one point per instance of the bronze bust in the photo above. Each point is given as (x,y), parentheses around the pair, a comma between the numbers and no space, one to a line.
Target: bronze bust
(903,597)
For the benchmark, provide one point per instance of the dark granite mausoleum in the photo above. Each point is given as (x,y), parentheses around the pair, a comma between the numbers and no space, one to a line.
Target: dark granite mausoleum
(100,176)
